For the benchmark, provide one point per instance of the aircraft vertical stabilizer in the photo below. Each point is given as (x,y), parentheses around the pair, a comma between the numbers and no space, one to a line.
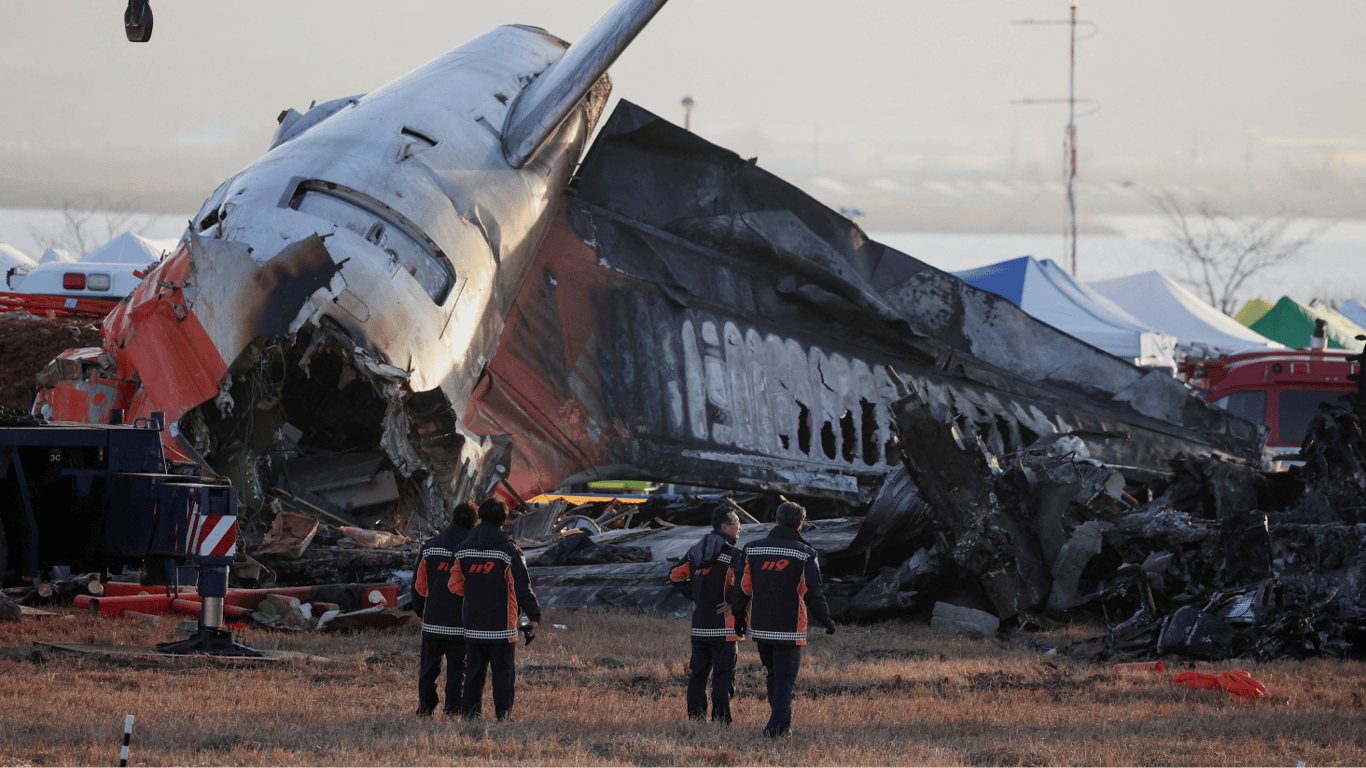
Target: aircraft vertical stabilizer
(540,109)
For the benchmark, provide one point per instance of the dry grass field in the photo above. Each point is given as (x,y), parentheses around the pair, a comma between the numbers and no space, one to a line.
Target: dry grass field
(607,689)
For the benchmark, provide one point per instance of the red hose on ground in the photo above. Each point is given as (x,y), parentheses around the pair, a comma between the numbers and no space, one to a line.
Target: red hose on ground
(113,606)
(123,589)
(185,605)
(153,599)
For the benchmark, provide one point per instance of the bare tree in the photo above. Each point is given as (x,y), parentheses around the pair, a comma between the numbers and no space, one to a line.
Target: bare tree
(83,229)
(1223,250)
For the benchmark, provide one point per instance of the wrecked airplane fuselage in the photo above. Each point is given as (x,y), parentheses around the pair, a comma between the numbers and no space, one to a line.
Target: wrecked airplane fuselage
(415,275)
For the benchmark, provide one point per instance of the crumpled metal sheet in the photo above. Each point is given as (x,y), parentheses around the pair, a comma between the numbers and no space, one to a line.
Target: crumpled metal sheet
(989,536)
(154,331)
(898,513)
(827,537)
(1334,453)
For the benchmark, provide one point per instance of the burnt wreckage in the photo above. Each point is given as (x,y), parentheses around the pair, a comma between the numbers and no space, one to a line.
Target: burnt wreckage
(694,318)
(1226,561)
(365,325)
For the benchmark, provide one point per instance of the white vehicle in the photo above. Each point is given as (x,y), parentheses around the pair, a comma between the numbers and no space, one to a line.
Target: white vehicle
(76,280)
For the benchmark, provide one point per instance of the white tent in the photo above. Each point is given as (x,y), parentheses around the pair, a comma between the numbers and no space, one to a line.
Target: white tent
(1199,328)
(56,255)
(1048,293)
(131,249)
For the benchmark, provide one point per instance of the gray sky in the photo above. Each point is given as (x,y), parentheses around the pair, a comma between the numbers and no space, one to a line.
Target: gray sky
(865,84)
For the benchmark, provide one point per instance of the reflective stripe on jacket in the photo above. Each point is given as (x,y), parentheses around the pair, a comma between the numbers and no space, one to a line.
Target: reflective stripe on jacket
(777,583)
(441,610)
(706,578)
(490,573)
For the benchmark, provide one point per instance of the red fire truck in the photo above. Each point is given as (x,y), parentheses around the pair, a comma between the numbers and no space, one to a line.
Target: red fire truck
(1281,388)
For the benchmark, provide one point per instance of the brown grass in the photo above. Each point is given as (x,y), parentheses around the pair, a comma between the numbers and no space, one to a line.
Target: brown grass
(608,690)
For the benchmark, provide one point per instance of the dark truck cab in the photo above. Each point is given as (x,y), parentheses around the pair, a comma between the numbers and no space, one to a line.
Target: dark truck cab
(96,497)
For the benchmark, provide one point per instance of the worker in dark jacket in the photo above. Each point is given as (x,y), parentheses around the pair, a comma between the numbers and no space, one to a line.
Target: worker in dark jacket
(490,573)
(777,587)
(443,634)
(705,577)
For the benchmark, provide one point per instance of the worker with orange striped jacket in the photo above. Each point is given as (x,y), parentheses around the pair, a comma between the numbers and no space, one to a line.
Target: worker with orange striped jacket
(705,577)
(442,611)
(777,586)
(490,573)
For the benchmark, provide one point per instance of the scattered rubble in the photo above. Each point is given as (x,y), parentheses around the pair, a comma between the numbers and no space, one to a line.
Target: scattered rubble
(1216,560)
(289,535)
(953,618)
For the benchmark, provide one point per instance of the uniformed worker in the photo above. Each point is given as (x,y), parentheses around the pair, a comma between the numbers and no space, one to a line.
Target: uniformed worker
(490,573)
(705,577)
(443,634)
(777,587)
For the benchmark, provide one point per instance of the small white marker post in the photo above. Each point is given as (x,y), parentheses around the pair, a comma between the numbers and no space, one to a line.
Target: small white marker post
(127,736)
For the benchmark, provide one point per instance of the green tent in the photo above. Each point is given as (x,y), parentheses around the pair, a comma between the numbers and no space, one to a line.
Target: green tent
(1292,324)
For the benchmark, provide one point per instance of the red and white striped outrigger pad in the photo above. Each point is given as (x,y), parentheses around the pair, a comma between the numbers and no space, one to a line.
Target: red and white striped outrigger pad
(210,535)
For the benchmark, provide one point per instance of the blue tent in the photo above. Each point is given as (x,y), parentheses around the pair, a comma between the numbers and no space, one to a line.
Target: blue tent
(1046,292)
(1354,312)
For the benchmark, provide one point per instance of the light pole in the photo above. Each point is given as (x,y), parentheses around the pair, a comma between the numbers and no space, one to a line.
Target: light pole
(688,104)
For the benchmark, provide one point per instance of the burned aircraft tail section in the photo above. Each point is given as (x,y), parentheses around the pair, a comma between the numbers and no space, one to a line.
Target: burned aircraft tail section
(693,318)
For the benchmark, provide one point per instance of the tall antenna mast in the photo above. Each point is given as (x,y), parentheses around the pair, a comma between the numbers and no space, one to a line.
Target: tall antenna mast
(1070,138)
(1071,147)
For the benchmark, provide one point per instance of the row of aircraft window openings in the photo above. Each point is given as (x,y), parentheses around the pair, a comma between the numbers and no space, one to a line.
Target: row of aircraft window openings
(853,442)
(379,224)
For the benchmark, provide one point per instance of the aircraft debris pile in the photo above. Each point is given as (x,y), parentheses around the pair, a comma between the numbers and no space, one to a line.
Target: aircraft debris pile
(1334,453)
(1223,561)
(580,549)
(300,550)
(1033,531)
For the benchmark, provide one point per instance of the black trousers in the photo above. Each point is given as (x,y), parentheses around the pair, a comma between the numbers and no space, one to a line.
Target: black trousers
(479,657)
(716,660)
(434,648)
(781,662)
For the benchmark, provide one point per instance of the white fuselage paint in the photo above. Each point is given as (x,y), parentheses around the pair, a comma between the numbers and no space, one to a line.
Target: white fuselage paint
(427,148)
